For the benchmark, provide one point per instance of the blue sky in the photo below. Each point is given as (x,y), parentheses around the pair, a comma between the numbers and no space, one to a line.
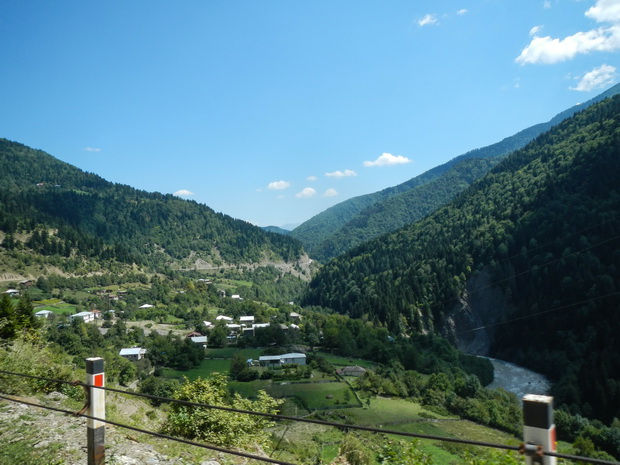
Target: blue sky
(273,111)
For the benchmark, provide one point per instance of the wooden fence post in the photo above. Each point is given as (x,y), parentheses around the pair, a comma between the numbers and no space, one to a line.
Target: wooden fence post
(95,429)
(538,429)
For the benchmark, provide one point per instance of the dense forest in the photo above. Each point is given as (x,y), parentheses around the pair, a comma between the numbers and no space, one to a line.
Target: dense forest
(362,218)
(70,211)
(543,228)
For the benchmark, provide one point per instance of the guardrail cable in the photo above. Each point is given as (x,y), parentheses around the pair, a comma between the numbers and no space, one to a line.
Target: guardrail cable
(153,433)
(341,426)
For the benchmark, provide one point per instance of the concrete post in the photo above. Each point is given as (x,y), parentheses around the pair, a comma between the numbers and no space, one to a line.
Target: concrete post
(95,428)
(538,429)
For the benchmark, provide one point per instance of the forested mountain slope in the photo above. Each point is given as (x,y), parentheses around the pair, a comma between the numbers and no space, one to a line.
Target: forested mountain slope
(362,218)
(407,207)
(66,211)
(535,243)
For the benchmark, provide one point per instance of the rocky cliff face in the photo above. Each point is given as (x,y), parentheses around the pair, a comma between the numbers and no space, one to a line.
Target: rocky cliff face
(470,323)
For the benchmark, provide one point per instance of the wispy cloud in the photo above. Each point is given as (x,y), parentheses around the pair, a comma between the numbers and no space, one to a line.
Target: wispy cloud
(386,159)
(535,30)
(305,193)
(427,20)
(183,193)
(596,79)
(278,185)
(330,193)
(548,50)
(311,178)
(92,149)
(462,12)
(341,174)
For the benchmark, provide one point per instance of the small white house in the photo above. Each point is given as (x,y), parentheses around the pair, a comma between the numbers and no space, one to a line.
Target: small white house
(134,353)
(43,313)
(223,317)
(87,317)
(146,306)
(246,320)
(284,359)
(12,292)
(199,340)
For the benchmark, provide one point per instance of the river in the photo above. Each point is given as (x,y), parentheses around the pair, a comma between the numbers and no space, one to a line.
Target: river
(518,380)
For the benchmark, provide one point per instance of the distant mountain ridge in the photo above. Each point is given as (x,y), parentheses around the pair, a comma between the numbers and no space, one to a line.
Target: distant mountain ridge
(71,212)
(365,217)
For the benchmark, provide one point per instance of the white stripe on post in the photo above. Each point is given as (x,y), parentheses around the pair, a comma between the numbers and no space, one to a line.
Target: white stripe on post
(538,426)
(95,431)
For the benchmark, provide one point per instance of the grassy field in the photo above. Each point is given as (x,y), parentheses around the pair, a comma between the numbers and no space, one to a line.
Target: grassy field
(384,411)
(206,369)
(55,305)
(337,361)
(316,395)
(229,352)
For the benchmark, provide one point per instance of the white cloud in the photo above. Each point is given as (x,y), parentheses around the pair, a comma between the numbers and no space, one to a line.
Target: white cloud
(311,178)
(330,193)
(548,50)
(427,20)
(278,185)
(547,5)
(305,193)
(183,193)
(386,159)
(597,78)
(92,149)
(605,11)
(462,12)
(535,30)
(341,174)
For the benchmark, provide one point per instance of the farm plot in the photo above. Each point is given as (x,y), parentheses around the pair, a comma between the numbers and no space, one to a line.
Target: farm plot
(316,396)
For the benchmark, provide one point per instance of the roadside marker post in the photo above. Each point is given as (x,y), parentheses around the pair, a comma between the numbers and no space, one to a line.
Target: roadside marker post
(95,430)
(538,429)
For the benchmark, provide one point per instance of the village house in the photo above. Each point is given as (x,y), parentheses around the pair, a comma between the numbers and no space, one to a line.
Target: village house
(134,353)
(87,317)
(200,340)
(43,313)
(284,359)
(246,320)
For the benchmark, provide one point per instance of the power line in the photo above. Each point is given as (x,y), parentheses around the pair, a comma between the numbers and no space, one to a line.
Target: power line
(542,312)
